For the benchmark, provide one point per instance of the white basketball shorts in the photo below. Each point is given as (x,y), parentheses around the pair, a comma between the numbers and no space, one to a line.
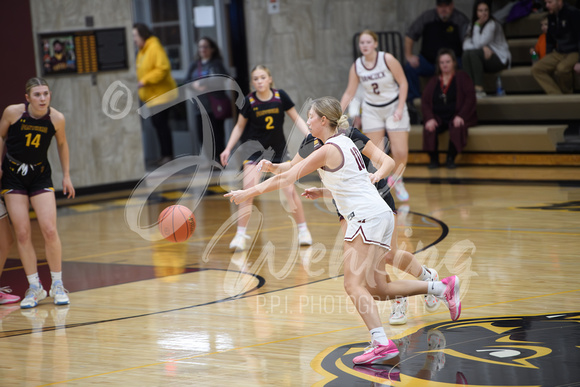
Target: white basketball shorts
(376,230)
(374,119)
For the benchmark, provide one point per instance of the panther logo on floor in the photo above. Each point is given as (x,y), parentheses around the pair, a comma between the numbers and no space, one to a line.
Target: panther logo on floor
(506,351)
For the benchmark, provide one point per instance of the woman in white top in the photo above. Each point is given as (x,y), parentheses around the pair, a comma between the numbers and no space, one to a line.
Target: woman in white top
(385,94)
(485,48)
(369,225)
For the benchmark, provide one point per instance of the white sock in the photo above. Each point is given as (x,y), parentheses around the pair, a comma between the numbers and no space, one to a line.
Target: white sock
(34,280)
(379,335)
(56,276)
(437,288)
(425,274)
(302,226)
(241,230)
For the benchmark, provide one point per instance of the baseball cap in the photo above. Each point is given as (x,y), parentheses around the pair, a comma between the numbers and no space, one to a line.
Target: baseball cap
(444,2)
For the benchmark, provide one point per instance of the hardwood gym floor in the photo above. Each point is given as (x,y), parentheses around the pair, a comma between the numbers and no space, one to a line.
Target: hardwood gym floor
(149,312)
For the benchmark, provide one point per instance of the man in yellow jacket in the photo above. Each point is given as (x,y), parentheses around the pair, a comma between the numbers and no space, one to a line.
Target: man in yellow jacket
(155,80)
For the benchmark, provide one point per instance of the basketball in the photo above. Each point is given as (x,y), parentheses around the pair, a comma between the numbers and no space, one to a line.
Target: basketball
(176,223)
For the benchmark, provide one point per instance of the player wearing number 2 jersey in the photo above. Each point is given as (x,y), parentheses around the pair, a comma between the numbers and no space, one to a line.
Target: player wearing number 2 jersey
(266,121)
(28,129)
(264,111)
(384,104)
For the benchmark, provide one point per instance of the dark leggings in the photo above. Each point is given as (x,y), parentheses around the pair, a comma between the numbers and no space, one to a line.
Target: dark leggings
(161,123)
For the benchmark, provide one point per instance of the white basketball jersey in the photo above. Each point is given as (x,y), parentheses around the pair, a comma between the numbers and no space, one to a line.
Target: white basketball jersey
(351,187)
(378,82)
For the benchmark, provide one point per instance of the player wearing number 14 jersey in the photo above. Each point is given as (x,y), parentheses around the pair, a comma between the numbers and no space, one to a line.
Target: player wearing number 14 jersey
(26,167)
(28,129)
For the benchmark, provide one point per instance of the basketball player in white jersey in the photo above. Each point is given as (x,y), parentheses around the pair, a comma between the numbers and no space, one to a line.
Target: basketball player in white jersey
(385,94)
(370,225)
(384,106)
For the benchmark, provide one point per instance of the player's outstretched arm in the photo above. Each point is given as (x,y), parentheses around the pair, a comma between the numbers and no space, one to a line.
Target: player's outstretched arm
(310,164)
(268,166)
(316,193)
(234,138)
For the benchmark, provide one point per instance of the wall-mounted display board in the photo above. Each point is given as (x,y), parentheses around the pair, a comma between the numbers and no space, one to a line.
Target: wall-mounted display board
(81,52)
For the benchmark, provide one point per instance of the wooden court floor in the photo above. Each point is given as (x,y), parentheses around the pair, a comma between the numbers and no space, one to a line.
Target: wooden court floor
(147,312)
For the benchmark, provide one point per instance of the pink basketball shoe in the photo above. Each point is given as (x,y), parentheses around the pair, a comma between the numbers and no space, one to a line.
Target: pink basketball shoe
(376,353)
(6,298)
(451,296)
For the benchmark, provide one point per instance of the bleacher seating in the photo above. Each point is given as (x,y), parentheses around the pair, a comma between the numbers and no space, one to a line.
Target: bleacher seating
(523,127)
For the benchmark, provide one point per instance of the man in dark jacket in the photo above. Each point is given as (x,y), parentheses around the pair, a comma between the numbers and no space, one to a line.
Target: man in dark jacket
(440,27)
(562,49)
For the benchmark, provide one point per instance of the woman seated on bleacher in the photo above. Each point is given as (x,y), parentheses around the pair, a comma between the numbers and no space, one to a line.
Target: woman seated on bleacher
(485,48)
(448,103)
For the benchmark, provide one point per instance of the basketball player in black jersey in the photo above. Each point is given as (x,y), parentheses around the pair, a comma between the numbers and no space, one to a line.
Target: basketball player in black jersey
(401,259)
(263,112)
(27,129)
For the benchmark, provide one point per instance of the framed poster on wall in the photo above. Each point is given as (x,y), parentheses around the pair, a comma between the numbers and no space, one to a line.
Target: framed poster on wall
(58,54)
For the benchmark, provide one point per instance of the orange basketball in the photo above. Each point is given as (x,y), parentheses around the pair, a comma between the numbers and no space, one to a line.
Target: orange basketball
(176,223)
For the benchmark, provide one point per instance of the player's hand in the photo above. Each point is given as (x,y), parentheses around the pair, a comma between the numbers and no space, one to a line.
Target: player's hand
(67,188)
(313,193)
(224,156)
(374,177)
(238,196)
(398,115)
(265,166)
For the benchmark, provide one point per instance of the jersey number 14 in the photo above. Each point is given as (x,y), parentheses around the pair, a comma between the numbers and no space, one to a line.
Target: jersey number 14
(33,141)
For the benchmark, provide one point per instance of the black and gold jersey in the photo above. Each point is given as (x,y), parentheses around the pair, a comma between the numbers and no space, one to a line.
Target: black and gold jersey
(28,138)
(266,120)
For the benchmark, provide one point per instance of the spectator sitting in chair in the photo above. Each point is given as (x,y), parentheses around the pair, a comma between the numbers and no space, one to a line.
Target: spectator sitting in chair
(562,49)
(448,103)
(485,49)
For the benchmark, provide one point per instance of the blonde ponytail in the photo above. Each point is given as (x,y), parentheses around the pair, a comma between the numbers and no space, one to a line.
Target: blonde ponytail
(330,108)
(343,122)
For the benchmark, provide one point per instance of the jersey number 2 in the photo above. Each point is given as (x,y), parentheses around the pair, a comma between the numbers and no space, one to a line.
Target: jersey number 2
(33,141)
(376,88)
(269,122)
